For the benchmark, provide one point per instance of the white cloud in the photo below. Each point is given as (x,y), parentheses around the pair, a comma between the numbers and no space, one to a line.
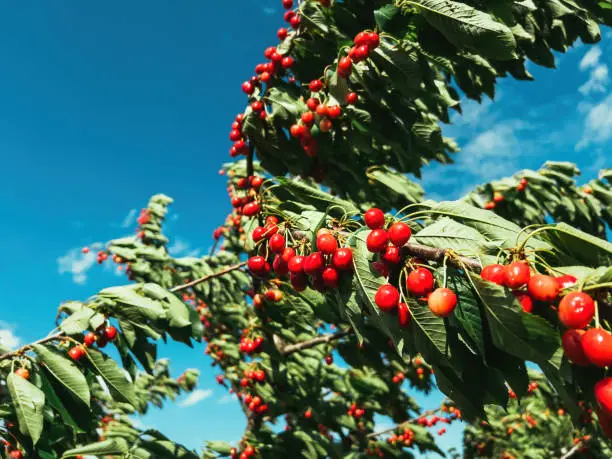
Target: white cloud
(473,112)
(179,247)
(195,397)
(597,125)
(227,398)
(597,82)
(129,219)
(591,58)
(7,338)
(77,263)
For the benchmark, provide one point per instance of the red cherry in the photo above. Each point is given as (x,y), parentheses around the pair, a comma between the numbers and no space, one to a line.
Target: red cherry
(343,259)
(361,38)
(387,297)
(373,40)
(271,220)
(399,234)
(377,240)
(572,347)
(566,281)
(22,373)
(89,339)
(277,243)
(327,243)
(256,182)
(314,263)
(280,267)
(257,264)
(524,299)
(495,273)
(603,395)
(576,310)
(110,333)
(308,414)
(76,353)
(597,346)
(298,281)
(295,21)
(315,85)
(297,130)
(288,4)
(374,218)
(308,118)
(330,277)
(250,209)
(329,359)
(403,315)
(321,110)
(16,454)
(248,87)
(392,255)
(543,288)
(352,98)
(287,254)
(312,104)
(282,33)
(517,274)
(605,422)
(334,111)
(442,302)
(258,234)
(287,62)
(296,264)
(345,65)
(382,267)
(420,282)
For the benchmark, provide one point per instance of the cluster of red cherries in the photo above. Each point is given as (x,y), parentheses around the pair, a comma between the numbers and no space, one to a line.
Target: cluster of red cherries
(246,204)
(245,454)
(355,411)
(498,197)
(252,376)
(100,338)
(251,346)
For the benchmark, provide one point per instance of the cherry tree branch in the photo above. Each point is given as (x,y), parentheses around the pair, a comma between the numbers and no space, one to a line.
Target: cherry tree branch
(433,254)
(572,451)
(22,349)
(403,424)
(285,349)
(208,277)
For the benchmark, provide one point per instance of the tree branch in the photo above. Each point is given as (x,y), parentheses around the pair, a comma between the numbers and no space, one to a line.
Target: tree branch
(403,424)
(22,349)
(291,348)
(433,254)
(250,169)
(572,451)
(208,277)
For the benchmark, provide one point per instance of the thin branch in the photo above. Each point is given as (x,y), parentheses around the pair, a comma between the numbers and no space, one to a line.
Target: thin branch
(572,451)
(291,348)
(22,349)
(250,169)
(208,277)
(403,424)
(433,254)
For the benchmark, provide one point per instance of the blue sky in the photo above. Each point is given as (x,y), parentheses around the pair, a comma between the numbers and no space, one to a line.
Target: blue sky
(104,103)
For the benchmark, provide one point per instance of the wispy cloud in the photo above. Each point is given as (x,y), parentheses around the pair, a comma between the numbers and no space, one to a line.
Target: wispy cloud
(77,263)
(268,11)
(129,219)
(597,124)
(179,247)
(591,58)
(195,397)
(227,398)
(597,82)
(8,339)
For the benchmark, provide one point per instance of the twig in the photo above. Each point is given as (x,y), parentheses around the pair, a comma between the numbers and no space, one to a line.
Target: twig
(213,248)
(22,349)
(208,277)
(403,424)
(433,254)
(249,159)
(572,451)
(291,348)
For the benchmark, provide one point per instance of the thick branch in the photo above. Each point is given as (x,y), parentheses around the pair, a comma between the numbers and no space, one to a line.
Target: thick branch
(572,451)
(291,348)
(207,278)
(433,254)
(403,424)
(22,349)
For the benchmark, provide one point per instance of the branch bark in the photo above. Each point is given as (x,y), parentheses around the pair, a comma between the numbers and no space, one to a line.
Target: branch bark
(572,451)
(22,349)
(433,254)
(291,348)
(208,277)
(403,424)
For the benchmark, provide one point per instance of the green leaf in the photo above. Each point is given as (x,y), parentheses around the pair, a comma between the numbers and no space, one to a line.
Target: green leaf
(220,447)
(114,376)
(78,321)
(430,332)
(29,402)
(385,15)
(72,418)
(101,448)
(466,27)
(65,371)
(133,303)
(573,245)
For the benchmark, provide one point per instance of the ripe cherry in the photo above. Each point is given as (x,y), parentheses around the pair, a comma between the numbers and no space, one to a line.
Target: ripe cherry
(342,259)
(392,254)
(295,21)
(330,277)
(258,234)
(296,264)
(312,104)
(256,182)
(279,266)
(566,281)
(572,347)
(287,254)
(382,267)
(297,130)
(597,346)
(76,353)
(345,66)
(315,85)
(256,264)
(325,125)
(399,234)
(298,281)
(308,118)
(605,422)
(329,359)
(373,40)
(23,373)
(321,110)
(277,243)
(288,4)
(420,282)
(16,454)
(334,111)
(352,98)
(250,209)
(361,39)
(374,218)
(248,87)
(403,315)
(85,250)
(524,299)
(89,339)
(543,288)
(287,62)
(495,273)
(603,395)
(387,297)
(110,333)
(377,240)
(442,302)
(327,243)
(314,263)
(517,274)
(576,310)
(308,414)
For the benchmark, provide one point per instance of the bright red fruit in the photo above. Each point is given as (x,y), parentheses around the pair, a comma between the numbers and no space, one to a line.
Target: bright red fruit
(603,395)
(297,130)
(524,299)
(327,243)
(298,281)
(110,333)
(250,209)
(288,4)
(517,274)
(287,62)
(312,104)
(572,347)
(597,346)
(89,339)
(377,240)
(258,233)
(566,281)
(288,254)
(352,98)
(420,282)
(277,243)
(330,277)
(282,33)
(76,353)
(387,297)
(16,454)
(374,218)
(403,315)
(296,264)
(605,422)
(343,258)
(495,273)
(257,264)
(543,288)
(280,267)
(442,302)
(576,310)
(392,255)
(399,233)
(314,263)
(23,373)
(248,87)
(334,111)
(315,85)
